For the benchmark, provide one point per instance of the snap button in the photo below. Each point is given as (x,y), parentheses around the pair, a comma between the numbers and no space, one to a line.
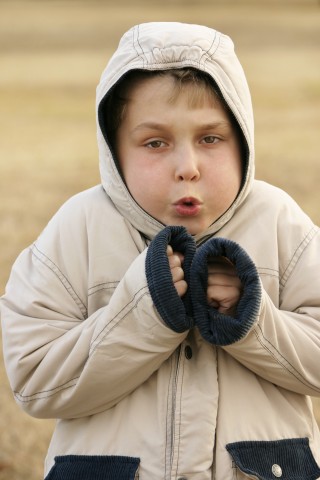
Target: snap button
(188,355)
(276,470)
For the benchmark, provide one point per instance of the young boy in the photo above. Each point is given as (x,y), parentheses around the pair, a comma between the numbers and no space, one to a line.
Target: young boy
(169,319)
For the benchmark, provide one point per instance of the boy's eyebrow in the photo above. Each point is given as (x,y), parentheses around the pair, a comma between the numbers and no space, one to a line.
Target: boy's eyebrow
(150,125)
(159,126)
(214,125)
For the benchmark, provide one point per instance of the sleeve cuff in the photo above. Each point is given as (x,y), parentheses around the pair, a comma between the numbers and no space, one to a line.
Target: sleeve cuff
(176,312)
(215,327)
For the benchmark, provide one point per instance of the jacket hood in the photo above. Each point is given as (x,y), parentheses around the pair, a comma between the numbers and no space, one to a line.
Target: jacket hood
(162,46)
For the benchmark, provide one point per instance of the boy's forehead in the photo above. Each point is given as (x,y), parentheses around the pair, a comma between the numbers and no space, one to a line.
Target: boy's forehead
(171,89)
(155,105)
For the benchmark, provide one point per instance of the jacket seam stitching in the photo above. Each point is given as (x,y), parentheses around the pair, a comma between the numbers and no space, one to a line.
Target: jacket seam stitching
(169,412)
(180,415)
(296,255)
(268,272)
(65,385)
(45,393)
(294,372)
(114,323)
(61,277)
(114,282)
(136,41)
(102,286)
(175,62)
(211,54)
(204,52)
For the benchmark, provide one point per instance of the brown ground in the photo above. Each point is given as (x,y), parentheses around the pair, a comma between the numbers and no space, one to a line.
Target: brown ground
(51,56)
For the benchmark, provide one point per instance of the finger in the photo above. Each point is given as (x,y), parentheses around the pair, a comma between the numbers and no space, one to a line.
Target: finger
(223,298)
(176,259)
(177,274)
(223,280)
(221,293)
(169,250)
(181,287)
(223,269)
(221,260)
(221,265)
(230,311)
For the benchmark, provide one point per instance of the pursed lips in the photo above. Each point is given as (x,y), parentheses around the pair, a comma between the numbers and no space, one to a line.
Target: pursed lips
(188,206)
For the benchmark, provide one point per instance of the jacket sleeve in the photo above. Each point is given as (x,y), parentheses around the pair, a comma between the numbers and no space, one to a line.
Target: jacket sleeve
(284,345)
(63,365)
(280,344)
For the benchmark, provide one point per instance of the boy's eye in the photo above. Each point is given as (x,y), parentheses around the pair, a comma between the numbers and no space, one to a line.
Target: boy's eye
(210,139)
(155,144)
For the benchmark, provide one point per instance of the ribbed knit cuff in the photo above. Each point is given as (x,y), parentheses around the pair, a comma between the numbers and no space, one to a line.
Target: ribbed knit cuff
(176,312)
(97,467)
(215,327)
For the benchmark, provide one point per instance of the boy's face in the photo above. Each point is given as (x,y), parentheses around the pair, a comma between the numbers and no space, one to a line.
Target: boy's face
(181,162)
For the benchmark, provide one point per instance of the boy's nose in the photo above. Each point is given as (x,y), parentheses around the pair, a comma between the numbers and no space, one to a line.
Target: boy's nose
(187,168)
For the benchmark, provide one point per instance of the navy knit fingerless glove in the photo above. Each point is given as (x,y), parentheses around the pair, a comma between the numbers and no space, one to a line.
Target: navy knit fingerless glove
(215,327)
(176,312)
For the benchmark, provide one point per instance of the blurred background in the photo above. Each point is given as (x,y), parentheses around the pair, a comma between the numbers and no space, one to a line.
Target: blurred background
(51,56)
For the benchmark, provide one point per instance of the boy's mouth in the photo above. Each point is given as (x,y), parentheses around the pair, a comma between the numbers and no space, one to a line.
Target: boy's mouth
(187,206)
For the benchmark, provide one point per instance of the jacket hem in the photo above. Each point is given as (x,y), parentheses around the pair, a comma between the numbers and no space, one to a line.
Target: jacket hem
(94,467)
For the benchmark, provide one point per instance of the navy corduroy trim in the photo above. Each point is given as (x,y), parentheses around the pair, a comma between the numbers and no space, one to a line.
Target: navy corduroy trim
(292,458)
(94,467)
(215,327)
(175,312)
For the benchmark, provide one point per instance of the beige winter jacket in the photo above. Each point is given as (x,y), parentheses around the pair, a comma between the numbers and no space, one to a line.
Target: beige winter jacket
(140,391)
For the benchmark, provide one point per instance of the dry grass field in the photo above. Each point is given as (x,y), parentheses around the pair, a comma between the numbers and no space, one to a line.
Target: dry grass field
(51,56)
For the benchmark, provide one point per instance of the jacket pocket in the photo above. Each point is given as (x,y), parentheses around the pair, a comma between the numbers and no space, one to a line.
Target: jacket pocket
(289,459)
(92,467)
